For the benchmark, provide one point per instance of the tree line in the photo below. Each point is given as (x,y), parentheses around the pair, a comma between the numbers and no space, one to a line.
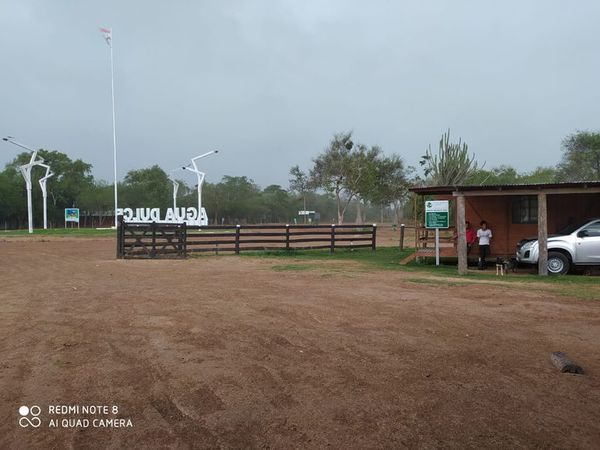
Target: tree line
(348,180)
(453,165)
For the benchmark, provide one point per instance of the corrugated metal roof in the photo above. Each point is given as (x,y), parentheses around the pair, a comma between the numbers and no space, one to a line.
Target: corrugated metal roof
(444,190)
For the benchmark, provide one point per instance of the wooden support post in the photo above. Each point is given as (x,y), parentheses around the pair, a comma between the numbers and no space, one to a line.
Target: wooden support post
(120,236)
(287,237)
(237,239)
(542,235)
(153,248)
(374,241)
(332,244)
(402,226)
(415,221)
(183,237)
(461,243)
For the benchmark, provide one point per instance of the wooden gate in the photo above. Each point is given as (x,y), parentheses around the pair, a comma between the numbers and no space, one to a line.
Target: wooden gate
(151,240)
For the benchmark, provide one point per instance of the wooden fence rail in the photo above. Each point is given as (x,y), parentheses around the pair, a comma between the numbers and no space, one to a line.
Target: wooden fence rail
(162,240)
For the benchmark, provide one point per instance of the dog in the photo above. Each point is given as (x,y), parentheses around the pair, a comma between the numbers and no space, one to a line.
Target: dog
(504,265)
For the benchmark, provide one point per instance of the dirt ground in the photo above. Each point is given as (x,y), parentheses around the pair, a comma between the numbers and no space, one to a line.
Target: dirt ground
(237,352)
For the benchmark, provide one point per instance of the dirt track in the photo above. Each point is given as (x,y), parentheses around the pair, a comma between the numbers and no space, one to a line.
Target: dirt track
(228,352)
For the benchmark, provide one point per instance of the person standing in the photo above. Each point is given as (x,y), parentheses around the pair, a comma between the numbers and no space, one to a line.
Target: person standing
(471,236)
(485,236)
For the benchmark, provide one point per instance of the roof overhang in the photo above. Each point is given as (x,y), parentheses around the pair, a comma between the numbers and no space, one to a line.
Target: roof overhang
(582,187)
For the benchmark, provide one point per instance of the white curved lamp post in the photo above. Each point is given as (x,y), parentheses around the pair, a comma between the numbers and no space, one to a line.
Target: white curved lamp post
(200,175)
(175,187)
(42,182)
(26,172)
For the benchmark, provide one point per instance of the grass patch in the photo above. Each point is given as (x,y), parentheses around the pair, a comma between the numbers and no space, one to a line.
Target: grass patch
(61,232)
(388,258)
(384,258)
(294,267)
(449,270)
(438,282)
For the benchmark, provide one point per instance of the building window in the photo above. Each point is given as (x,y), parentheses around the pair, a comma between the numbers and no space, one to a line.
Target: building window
(524,209)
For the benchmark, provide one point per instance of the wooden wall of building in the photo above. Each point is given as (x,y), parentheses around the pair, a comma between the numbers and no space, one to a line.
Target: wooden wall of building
(563,209)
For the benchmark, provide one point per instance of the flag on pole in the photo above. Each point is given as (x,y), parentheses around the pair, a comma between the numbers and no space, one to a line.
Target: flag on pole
(107,35)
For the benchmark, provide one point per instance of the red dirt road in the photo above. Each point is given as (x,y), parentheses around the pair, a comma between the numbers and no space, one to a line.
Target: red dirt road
(227,352)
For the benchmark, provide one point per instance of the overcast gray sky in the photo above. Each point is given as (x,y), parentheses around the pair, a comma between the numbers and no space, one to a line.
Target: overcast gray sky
(268,82)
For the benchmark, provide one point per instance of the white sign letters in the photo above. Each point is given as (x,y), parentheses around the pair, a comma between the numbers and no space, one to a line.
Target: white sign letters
(188,215)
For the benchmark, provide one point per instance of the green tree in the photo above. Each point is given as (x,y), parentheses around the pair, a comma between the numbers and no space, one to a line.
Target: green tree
(367,165)
(239,199)
(540,175)
(497,175)
(149,187)
(581,157)
(71,178)
(276,204)
(12,199)
(300,184)
(339,169)
(98,197)
(452,164)
(390,185)
(509,175)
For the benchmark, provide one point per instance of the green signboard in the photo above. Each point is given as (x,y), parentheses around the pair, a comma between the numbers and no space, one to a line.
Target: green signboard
(437,214)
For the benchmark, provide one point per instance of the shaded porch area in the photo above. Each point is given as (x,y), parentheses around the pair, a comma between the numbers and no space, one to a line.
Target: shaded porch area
(513,213)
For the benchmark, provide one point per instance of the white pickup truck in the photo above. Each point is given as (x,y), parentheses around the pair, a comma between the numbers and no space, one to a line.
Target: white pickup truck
(577,245)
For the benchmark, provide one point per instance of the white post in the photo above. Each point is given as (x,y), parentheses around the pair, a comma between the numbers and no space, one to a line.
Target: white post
(437,246)
(175,188)
(108,38)
(112,86)
(42,182)
(29,206)
(26,172)
(200,177)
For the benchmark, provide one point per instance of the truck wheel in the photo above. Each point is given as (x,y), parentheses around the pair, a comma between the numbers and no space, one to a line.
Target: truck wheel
(558,264)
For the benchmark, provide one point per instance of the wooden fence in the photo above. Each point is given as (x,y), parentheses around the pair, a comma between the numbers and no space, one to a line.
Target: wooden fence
(160,240)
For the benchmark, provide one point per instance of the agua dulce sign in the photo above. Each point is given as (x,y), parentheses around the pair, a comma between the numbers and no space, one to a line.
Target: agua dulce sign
(188,215)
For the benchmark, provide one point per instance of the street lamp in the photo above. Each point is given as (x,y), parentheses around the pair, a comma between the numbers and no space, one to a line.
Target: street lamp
(200,175)
(42,182)
(26,172)
(175,188)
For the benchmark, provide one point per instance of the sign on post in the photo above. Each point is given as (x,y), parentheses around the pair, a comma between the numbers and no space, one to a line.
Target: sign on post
(71,215)
(437,215)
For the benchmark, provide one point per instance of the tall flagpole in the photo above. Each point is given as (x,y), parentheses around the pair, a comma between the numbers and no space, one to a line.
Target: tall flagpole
(108,37)
(112,89)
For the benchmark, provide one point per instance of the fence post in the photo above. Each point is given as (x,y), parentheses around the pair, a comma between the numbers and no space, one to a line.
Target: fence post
(332,245)
(153,228)
(401,237)
(184,238)
(120,236)
(374,241)
(287,237)
(237,239)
